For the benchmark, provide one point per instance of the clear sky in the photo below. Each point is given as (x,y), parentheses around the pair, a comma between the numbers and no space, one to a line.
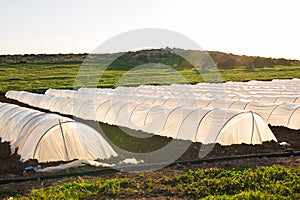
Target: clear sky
(268,28)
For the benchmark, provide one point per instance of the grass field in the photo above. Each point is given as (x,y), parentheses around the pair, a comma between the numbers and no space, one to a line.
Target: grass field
(39,77)
(274,182)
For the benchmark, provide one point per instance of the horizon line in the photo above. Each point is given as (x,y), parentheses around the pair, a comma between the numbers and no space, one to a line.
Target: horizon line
(83,53)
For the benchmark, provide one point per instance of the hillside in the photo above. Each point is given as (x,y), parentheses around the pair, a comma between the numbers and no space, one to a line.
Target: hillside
(167,56)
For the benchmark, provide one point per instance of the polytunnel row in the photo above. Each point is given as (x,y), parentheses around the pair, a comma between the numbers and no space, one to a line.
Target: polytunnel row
(264,87)
(280,86)
(49,137)
(186,91)
(283,86)
(274,87)
(223,126)
(283,114)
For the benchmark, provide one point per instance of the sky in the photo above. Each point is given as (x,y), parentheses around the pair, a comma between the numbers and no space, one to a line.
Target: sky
(268,28)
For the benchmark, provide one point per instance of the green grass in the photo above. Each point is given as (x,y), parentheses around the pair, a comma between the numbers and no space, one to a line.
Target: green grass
(36,77)
(266,73)
(274,182)
(41,76)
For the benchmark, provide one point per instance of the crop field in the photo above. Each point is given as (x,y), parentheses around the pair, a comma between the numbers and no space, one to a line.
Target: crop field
(38,77)
(264,181)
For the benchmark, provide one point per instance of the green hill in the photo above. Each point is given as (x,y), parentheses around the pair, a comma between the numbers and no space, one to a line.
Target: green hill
(171,57)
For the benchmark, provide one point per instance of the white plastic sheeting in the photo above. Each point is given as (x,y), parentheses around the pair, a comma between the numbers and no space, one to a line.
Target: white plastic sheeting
(73,164)
(275,91)
(50,137)
(280,114)
(223,126)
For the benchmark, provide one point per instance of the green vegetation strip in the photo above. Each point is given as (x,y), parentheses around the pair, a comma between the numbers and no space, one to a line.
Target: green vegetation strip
(37,73)
(274,182)
(39,77)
